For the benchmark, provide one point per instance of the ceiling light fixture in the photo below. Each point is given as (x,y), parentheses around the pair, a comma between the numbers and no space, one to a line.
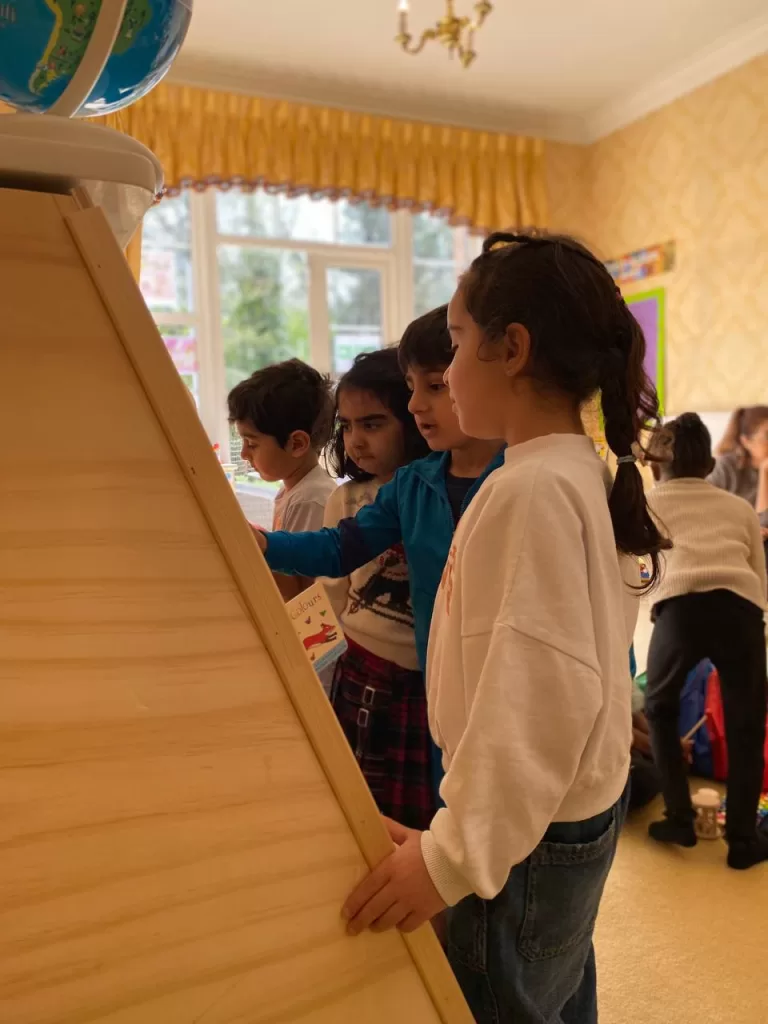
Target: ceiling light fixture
(457,34)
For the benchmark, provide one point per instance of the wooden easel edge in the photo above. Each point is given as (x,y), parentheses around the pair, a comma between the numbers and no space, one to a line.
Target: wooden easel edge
(167,396)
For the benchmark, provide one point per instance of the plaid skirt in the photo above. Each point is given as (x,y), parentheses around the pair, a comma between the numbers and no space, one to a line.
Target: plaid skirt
(382,709)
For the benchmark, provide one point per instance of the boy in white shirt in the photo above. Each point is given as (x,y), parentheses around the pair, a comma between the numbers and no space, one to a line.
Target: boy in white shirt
(709,604)
(284,416)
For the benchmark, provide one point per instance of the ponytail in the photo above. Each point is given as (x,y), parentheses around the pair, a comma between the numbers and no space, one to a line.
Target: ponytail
(630,405)
(583,340)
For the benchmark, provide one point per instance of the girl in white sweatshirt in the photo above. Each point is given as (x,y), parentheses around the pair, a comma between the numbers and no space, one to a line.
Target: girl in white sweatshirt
(528,682)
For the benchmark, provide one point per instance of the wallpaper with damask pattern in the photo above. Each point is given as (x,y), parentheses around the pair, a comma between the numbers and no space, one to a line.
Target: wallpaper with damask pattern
(695,171)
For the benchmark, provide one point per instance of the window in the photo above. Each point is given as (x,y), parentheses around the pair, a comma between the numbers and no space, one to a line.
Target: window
(439,253)
(167,284)
(238,280)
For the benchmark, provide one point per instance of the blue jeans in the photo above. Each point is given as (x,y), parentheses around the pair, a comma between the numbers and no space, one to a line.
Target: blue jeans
(526,957)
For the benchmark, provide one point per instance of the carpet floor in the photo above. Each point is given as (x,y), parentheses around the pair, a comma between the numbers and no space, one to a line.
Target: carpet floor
(681,938)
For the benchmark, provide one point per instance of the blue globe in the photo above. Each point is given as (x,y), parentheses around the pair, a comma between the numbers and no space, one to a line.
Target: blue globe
(43,41)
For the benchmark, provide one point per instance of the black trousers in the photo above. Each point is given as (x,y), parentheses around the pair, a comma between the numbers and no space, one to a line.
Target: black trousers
(729,631)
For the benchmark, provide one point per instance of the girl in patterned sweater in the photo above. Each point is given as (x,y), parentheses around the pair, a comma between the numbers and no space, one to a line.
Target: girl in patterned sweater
(378,689)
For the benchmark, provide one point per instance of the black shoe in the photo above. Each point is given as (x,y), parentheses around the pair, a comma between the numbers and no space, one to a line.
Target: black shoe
(743,854)
(670,831)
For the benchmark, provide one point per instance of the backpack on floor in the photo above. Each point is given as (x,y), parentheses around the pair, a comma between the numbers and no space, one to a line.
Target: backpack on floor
(693,705)
(701,695)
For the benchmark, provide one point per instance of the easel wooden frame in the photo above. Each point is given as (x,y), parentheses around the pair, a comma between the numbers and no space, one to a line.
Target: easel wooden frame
(136,329)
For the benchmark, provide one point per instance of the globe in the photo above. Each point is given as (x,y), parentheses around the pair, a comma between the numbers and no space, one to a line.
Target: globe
(42,43)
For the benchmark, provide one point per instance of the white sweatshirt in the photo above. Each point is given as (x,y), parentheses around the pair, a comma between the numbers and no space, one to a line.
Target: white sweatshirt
(528,676)
(716,541)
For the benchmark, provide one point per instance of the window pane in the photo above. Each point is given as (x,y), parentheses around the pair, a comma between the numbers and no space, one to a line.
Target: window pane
(167,223)
(354,310)
(264,308)
(181,342)
(432,238)
(361,224)
(433,284)
(166,279)
(260,214)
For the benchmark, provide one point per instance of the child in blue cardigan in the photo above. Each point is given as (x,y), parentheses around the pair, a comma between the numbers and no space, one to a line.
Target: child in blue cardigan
(420,506)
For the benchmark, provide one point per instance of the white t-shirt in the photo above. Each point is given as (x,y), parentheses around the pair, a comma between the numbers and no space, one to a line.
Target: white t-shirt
(373,604)
(528,672)
(302,507)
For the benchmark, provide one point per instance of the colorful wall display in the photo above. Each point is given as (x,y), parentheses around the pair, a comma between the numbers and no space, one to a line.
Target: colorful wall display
(644,263)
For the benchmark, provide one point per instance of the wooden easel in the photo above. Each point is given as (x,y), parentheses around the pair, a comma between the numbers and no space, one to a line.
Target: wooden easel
(180,815)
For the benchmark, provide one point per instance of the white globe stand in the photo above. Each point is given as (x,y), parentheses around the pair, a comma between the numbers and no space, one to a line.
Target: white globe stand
(56,154)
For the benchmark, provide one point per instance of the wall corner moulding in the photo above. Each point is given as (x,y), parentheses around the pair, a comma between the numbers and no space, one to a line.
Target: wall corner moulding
(729,53)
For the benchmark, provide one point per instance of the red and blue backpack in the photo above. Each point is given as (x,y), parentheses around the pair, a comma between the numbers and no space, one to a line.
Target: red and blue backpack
(701,695)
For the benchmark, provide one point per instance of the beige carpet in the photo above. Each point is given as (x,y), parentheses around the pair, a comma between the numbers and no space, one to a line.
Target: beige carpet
(681,938)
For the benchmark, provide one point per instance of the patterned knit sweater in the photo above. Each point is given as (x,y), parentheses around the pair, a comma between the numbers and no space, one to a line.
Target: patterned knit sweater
(717,544)
(373,604)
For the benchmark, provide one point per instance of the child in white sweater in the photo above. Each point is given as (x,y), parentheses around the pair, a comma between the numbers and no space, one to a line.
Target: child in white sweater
(709,604)
(528,678)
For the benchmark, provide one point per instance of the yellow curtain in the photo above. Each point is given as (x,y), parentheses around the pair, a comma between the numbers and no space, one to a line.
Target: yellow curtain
(204,137)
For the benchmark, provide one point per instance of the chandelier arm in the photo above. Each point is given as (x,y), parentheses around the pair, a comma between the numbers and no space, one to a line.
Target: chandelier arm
(426,36)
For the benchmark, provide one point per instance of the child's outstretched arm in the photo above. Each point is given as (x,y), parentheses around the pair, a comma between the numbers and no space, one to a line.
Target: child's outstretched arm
(339,551)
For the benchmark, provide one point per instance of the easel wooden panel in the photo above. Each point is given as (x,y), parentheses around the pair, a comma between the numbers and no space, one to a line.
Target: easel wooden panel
(181,816)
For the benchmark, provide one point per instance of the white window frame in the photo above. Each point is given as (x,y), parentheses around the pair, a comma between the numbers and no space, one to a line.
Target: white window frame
(394,262)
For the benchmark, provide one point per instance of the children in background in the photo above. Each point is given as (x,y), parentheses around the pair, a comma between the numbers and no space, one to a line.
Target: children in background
(284,416)
(742,463)
(378,692)
(709,604)
(528,679)
(422,503)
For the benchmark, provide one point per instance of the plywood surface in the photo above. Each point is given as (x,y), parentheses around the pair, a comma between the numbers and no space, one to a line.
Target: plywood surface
(173,848)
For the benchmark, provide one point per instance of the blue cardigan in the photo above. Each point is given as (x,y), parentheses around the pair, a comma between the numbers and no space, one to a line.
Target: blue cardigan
(413,508)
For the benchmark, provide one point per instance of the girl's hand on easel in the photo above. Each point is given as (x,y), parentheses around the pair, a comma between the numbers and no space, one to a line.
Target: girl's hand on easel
(261,537)
(399,893)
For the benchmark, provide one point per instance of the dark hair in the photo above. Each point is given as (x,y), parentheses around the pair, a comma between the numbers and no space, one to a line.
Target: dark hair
(283,398)
(380,374)
(426,343)
(684,445)
(744,422)
(583,340)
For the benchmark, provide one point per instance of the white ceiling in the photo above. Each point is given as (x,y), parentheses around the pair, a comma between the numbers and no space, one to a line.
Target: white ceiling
(564,69)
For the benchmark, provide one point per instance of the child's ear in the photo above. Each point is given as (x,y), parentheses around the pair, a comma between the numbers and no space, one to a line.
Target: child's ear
(712,465)
(299,443)
(517,349)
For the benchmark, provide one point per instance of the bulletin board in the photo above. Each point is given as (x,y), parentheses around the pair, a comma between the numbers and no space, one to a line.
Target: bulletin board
(649,309)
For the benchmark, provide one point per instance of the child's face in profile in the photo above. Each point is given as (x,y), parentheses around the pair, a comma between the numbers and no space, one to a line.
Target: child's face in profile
(432,409)
(264,454)
(479,385)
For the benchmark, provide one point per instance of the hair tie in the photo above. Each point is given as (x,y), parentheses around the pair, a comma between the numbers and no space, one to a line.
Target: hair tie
(625,460)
